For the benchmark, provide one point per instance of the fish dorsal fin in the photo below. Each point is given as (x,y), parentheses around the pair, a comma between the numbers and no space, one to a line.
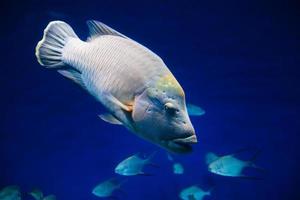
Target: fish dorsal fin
(97,29)
(109,118)
(211,157)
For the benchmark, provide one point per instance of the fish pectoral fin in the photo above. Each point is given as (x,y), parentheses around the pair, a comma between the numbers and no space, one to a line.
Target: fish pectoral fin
(118,109)
(194,110)
(110,118)
(124,107)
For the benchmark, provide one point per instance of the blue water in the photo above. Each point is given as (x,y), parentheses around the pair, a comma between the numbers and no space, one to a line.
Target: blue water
(237,60)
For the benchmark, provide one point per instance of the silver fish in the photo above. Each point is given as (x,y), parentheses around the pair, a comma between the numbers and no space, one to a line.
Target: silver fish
(178,168)
(133,165)
(107,188)
(193,193)
(229,165)
(132,82)
(37,194)
(11,192)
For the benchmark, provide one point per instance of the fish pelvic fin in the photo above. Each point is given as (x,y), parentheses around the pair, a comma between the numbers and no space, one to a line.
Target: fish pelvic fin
(50,49)
(109,118)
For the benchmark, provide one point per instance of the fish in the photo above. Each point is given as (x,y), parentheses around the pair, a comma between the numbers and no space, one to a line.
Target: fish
(194,110)
(50,197)
(107,188)
(229,165)
(133,83)
(11,192)
(37,194)
(193,193)
(178,168)
(134,165)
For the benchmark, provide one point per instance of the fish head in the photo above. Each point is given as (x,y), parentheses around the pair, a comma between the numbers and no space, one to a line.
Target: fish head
(216,167)
(121,169)
(128,166)
(160,116)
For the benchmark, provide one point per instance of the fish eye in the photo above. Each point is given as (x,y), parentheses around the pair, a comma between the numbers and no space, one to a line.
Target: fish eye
(170,108)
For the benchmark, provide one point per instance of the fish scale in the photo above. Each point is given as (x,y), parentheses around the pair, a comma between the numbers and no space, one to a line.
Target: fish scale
(105,61)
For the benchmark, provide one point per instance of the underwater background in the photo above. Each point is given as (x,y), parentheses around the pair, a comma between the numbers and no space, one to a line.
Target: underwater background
(238,60)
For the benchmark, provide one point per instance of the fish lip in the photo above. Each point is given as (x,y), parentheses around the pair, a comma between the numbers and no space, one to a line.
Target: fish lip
(186,141)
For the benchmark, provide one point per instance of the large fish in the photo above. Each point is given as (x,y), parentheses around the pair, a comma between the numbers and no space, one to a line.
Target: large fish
(132,82)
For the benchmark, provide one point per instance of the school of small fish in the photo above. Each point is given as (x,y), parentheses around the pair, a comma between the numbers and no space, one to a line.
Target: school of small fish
(140,93)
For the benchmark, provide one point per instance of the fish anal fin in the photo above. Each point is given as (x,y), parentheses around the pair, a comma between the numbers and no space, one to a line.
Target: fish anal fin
(250,177)
(145,174)
(110,119)
(73,75)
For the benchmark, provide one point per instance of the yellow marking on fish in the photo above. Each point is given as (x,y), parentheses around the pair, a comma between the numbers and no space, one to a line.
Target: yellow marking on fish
(168,82)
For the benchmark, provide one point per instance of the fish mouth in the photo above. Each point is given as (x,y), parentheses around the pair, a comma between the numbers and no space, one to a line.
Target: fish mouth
(188,140)
(182,145)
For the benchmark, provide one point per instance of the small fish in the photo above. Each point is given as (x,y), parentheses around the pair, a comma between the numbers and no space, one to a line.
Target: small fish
(194,110)
(132,82)
(170,158)
(11,192)
(107,188)
(133,165)
(193,193)
(178,168)
(229,165)
(37,194)
(50,197)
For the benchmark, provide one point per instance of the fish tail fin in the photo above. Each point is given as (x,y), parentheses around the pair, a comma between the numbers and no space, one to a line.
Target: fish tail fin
(210,190)
(149,158)
(252,160)
(50,49)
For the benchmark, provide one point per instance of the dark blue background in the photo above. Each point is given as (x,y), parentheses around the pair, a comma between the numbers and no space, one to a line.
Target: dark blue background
(238,60)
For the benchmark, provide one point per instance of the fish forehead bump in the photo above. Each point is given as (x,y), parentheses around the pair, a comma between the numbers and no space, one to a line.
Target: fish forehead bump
(168,82)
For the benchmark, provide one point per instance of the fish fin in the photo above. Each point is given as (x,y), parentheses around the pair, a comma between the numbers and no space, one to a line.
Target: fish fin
(242,150)
(148,160)
(119,110)
(74,75)
(119,103)
(153,164)
(170,158)
(50,49)
(36,194)
(211,157)
(110,119)
(191,197)
(145,174)
(250,177)
(253,158)
(50,197)
(97,29)
(194,110)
